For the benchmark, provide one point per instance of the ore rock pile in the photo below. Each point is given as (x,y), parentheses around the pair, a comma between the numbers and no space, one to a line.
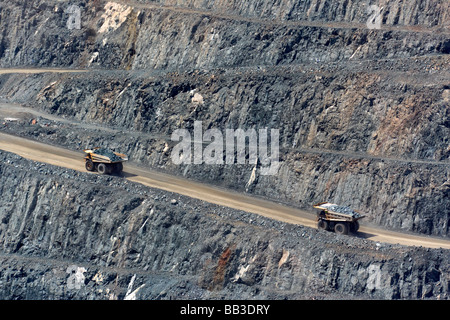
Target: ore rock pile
(344,210)
(108,153)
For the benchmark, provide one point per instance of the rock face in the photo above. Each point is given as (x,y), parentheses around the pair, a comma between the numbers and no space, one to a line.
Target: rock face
(71,235)
(368,101)
(359,93)
(376,144)
(186,34)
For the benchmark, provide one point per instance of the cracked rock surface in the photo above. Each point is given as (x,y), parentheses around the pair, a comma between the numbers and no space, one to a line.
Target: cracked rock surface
(71,235)
(364,121)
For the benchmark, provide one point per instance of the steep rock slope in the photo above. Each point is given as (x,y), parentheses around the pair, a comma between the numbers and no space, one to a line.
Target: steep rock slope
(186,35)
(66,234)
(374,140)
(318,71)
(363,115)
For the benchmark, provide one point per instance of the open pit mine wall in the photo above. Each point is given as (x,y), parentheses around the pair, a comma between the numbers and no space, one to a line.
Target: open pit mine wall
(312,69)
(70,235)
(211,34)
(399,194)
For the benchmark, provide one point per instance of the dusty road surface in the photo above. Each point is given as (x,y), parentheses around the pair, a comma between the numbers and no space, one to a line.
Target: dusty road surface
(38,70)
(74,160)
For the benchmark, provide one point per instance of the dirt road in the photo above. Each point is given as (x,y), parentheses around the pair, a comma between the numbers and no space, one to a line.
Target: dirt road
(74,160)
(39,70)
(280,22)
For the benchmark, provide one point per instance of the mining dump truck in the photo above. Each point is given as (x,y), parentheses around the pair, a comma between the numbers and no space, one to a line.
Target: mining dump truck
(341,219)
(104,161)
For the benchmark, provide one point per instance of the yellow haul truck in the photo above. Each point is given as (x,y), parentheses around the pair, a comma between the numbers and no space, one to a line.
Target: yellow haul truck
(341,219)
(104,160)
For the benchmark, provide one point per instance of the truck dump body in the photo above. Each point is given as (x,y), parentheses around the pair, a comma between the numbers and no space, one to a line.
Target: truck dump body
(105,155)
(339,211)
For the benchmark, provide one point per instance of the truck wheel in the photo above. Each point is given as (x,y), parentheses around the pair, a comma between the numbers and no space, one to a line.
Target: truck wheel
(354,227)
(101,168)
(118,167)
(341,228)
(322,224)
(89,165)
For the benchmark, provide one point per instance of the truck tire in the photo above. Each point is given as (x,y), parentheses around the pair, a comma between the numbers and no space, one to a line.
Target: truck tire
(354,227)
(341,228)
(89,165)
(322,224)
(101,168)
(118,167)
